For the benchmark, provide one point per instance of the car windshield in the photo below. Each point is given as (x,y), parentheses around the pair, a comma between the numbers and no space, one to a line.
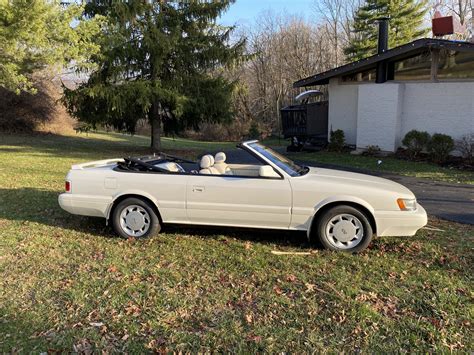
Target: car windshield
(289,166)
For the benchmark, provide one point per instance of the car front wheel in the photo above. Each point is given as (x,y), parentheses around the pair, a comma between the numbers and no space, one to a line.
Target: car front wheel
(344,228)
(135,218)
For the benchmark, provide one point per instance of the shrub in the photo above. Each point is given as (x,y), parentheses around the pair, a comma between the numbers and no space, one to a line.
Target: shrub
(465,146)
(254,131)
(440,146)
(415,141)
(371,150)
(337,141)
(26,113)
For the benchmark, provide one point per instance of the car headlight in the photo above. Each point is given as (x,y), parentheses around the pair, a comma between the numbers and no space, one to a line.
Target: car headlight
(407,204)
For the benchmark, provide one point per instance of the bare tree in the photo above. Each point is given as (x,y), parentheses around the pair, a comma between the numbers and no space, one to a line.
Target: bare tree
(282,50)
(462,9)
(331,11)
(337,16)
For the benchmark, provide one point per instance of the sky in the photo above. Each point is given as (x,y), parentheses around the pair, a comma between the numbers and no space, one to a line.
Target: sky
(246,12)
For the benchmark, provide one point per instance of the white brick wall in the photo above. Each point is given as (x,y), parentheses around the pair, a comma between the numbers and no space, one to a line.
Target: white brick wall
(381,114)
(343,109)
(439,108)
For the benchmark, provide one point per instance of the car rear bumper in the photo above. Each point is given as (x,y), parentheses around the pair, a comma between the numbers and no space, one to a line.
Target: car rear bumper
(85,205)
(400,223)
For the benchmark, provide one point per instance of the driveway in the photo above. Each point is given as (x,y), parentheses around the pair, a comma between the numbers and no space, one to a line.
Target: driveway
(454,202)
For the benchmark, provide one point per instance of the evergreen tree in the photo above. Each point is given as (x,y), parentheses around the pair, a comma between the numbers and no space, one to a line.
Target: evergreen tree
(35,34)
(160,60)
(406,21)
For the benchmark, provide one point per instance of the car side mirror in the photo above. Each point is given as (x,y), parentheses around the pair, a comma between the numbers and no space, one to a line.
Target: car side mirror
(268,172)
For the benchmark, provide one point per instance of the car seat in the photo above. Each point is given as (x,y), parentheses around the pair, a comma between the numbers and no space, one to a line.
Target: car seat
(221,165)
(206,164)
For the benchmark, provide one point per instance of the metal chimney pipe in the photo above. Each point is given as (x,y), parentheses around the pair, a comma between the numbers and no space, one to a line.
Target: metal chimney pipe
(382,46)
(383,35)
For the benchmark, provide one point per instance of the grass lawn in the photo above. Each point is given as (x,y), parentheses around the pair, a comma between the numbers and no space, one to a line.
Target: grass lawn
(389,165)
(67,284)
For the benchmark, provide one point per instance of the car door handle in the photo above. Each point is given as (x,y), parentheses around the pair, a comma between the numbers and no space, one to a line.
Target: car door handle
(198,188)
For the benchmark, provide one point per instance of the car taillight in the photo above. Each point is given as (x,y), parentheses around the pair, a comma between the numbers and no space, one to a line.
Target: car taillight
(68,186)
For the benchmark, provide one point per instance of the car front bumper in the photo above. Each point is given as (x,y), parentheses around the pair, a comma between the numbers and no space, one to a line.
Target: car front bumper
(400,223)
(85,205)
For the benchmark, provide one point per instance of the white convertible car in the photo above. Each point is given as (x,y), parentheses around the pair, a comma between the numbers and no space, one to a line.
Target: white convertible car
(342,210)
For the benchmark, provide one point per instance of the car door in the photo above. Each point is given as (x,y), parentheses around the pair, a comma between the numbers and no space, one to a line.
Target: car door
(238,201)
(168,191)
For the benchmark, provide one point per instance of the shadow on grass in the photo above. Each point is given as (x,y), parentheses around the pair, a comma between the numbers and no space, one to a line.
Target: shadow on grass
(82,147)
(19,331)
(41,206)
(263,236)
(79,146)
(104,145)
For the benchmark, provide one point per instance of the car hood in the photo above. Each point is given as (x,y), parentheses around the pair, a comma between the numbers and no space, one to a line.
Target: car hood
(362,181)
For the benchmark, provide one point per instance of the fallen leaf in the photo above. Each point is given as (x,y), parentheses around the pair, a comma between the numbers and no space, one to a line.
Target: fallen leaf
(255,338)
(133,309)
(156,344)
(249,318)
(83,347)
(277,290)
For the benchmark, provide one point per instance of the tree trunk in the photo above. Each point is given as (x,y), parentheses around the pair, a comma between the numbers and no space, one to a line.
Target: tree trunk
(155,121)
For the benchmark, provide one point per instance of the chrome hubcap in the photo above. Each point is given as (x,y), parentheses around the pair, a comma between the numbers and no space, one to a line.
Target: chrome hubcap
(135,221)
(344,231)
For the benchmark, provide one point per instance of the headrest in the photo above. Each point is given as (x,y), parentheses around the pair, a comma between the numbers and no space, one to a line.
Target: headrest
(206,162)
(212,158)
(220,157)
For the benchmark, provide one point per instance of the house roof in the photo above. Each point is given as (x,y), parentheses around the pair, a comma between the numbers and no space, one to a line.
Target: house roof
(400,52)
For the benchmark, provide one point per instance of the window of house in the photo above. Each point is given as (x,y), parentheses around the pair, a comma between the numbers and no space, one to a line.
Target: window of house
(455,65)
(368,76)
(414,68)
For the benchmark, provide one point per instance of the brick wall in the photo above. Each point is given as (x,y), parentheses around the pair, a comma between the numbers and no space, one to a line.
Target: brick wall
(381,114)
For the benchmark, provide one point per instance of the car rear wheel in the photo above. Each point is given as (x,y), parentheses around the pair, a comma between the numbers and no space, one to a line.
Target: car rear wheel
(344,228)
(135,218)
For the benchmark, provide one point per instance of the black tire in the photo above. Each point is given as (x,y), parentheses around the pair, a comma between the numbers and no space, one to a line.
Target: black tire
(154,225)
(342,213)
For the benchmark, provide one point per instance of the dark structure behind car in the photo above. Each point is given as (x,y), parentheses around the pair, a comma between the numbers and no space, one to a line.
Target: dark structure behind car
(306,124)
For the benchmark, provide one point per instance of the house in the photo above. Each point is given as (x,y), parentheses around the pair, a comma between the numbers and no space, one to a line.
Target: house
(427,85)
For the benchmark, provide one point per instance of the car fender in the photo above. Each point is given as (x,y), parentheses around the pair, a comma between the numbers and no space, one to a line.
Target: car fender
(132,192)
(340,199)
